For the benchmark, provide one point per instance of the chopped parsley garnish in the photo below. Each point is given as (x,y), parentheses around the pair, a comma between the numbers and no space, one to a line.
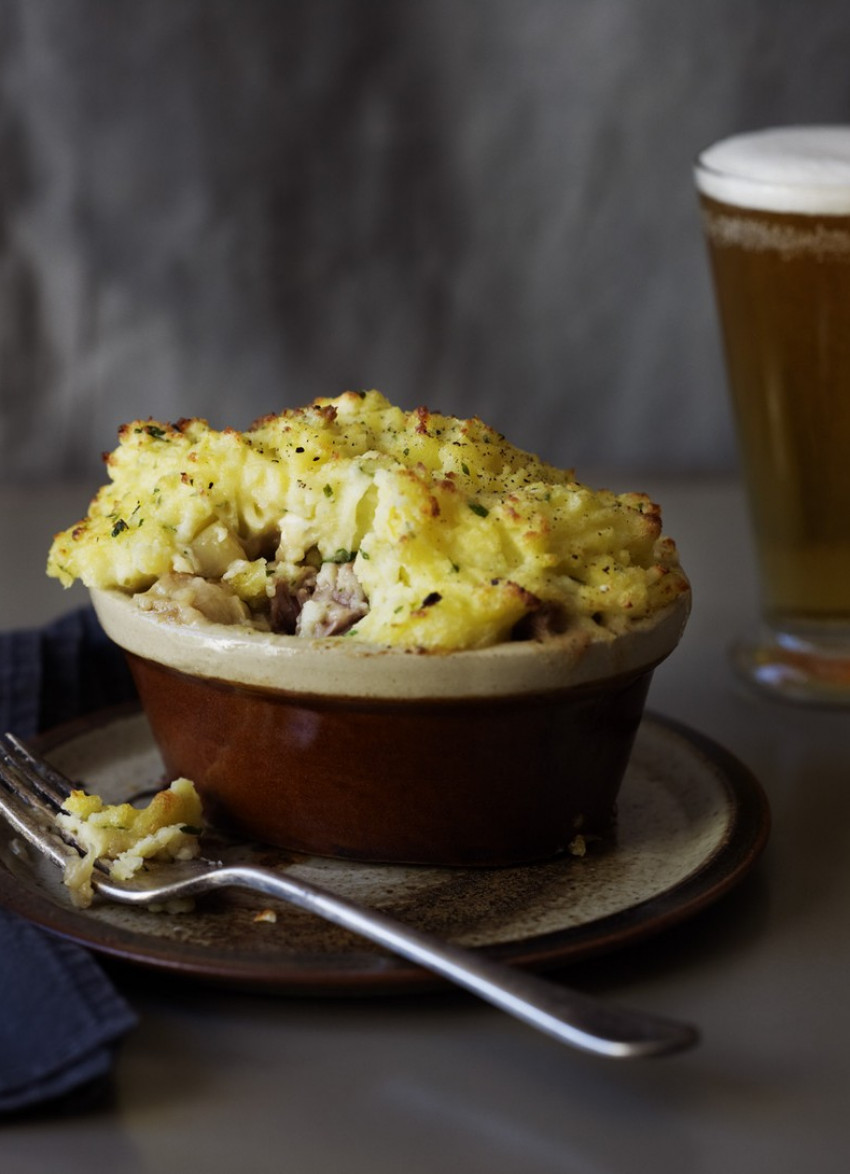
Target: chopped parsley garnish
(119,526)
(480,510)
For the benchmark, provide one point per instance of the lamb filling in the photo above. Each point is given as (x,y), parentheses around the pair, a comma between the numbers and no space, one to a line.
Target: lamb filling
(318,600)
(321,602)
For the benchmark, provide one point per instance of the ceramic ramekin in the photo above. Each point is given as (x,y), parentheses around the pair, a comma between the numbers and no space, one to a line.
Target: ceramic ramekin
(329,747)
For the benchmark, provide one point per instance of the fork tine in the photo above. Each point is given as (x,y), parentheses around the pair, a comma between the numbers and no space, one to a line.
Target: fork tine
(30,815)
(48,782)
(23,782)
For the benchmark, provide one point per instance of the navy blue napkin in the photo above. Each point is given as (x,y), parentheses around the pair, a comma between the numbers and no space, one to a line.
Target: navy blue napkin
(61,1018)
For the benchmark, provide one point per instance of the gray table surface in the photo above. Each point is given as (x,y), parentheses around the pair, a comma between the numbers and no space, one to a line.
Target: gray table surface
(218,1081)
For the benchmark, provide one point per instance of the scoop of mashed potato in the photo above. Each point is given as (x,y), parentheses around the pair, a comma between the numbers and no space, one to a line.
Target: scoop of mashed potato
(352,517)
(124,837)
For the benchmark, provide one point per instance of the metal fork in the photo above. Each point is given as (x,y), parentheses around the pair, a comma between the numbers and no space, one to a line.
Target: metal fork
(32,792)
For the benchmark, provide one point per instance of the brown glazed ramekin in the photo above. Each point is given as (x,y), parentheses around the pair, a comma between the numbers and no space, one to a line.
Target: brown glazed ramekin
(329,747)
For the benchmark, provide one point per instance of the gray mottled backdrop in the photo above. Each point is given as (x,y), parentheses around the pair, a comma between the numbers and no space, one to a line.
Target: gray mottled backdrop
(223,207)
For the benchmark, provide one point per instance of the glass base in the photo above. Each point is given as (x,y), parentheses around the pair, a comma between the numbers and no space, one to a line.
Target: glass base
(797,668)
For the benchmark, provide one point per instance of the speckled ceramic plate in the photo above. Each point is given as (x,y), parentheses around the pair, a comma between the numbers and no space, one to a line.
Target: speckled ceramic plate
(692,822)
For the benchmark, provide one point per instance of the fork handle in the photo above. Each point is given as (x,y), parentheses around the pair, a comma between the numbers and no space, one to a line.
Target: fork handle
(569,1016)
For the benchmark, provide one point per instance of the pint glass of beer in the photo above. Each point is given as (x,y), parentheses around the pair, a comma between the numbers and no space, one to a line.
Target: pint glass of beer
(776,213)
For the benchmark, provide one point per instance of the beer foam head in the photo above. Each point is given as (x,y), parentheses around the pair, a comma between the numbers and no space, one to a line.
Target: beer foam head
(803,169)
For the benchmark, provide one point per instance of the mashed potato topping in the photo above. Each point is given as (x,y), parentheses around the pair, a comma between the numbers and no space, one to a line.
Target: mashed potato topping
(352,517)
(125,837)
